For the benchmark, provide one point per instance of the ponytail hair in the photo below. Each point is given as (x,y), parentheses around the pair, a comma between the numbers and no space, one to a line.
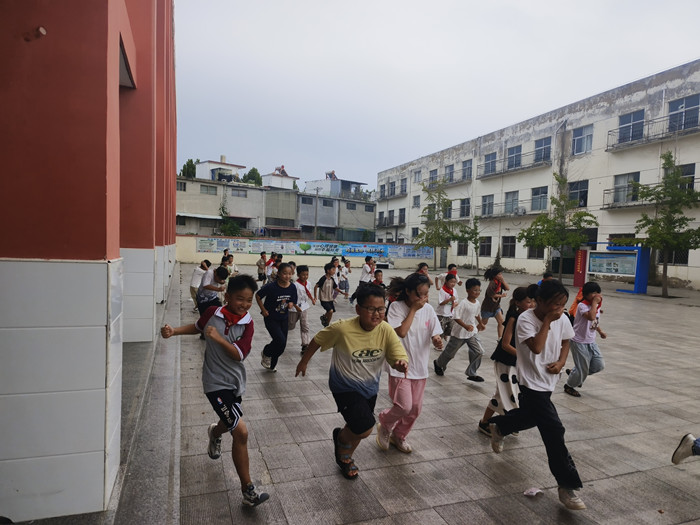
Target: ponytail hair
(519,294)
(400,286)
(491,272)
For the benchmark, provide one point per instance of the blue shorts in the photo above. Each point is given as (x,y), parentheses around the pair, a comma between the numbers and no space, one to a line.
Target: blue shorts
(488,315)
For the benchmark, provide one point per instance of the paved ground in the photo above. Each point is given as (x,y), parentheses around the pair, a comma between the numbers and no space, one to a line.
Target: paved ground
(621,433)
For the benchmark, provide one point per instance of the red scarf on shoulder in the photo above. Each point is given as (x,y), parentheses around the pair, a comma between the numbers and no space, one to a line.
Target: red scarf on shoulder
(451,293)
(230,318)
(305,288)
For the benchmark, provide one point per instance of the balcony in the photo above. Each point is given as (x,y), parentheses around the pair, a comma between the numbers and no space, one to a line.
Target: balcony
(625,197)
(515,163)
(388,222)
(640,133)
(391,195)
(511,209)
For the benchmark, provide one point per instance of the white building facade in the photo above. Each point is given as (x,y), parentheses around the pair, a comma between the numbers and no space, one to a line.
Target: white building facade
(599,144)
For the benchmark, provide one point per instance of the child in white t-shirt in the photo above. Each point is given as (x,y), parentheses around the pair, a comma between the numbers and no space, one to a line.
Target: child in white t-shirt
(447,302)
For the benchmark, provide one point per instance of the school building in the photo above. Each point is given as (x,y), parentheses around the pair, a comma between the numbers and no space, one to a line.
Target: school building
(600,144)
(88,204)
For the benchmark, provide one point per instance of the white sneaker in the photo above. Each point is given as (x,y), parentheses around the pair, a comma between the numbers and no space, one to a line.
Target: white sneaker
(684,449)
(496,438)
(253,498)
(266,362)
(214,448)
(383,437)
(570,500)
(401,444)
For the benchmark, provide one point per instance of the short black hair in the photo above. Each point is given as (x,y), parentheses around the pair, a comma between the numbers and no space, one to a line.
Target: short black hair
(263,253)
(471,283)
(221,272)
(328,266)
(590,287)
(450,266)
(547,275)
(368,258)
(551,289)
(207,263)
(370,290)
(241,282)
(450,277)
(302,268)
(378,271)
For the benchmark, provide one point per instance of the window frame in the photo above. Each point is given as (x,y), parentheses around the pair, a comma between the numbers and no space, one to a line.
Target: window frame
(490,160)
(538,202)
(508,245)
(511,201)
(416,201)
(181,185)
(450,173)
(535,253)
(467,169)
(582,140)
(465,207)
(633,130)
(577,191)
(487,205)
(515,157)
(205,189)
(350,206)
(485,246)
(403,186)
(543,149)
(623,190)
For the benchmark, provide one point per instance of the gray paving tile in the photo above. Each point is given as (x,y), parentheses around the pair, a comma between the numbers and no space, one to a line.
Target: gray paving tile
(200,475)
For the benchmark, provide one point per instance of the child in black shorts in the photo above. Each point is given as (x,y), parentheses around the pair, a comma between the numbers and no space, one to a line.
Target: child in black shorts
(228,331)
(326,284)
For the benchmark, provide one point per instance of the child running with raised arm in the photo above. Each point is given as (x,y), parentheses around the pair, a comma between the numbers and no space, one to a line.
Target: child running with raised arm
(327,286)
(505,398)
(587,357)
(360,347)
(451,270)
(465,330)
(542,346)
(275,299)
(304,301)
(228,332)
(447,302)
(495,291)
(416,323)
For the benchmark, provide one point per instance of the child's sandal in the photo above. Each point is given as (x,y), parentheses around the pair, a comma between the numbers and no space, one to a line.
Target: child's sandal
(344,461)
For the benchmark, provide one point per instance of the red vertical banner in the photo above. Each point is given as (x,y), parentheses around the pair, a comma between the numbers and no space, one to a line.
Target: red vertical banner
(580,267)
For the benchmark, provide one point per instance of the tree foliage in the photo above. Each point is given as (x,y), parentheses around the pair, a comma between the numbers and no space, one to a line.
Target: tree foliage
(470,234)
(563,228)
(666,228)
(438,230)
(189,170)
(252,177)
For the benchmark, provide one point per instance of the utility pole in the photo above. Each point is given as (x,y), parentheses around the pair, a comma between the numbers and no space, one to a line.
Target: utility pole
(316,216)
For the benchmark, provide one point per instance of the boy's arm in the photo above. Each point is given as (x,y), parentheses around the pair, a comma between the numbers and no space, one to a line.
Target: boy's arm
(464,325)
(315,290)
(231,349)
(603,335)
(593,311)
(308,354)
(508,336)
(555,368)
(168,331)
(261,306)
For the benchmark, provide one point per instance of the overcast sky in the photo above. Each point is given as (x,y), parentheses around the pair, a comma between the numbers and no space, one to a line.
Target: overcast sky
(362,86)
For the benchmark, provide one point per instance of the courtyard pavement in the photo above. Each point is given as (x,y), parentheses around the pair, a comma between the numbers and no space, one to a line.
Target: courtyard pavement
(621,433)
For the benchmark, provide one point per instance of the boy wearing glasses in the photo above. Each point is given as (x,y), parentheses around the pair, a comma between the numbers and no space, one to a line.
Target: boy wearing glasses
(360,347)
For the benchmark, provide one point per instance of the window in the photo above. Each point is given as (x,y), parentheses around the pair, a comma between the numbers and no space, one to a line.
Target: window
(414,232)
(485,246)
(277,221)
(430,212)
(462,248)
(583,140)
(539,198)
(511,201)
(328,203)
(181,186)
(467,169)
(535,253)
(416,177)
(369,208)
(688,172)
(404,186)
(464,205)
(239,193)
(382,191)
(631,126)
(307,200)
(390,220)
(578,191)
(402,215)
(683,113)
(514,157)
(380,219)
(447,211)
(508,249)
(180,220)
(450,173)
(624,191)
(487,205)
(205,189)
(416,201)
(392,189)
(432,179)
(543,149)
(675,258)
(208,223)
(351,205)
(490,163)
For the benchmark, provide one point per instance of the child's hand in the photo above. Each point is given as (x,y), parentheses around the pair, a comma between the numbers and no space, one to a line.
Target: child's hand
(301,369)
(554,368)
(481,327)
(437,342)
(167,331)
(313,301)
(212,333)
(603,335)
(264,312)
(401,366)
(553,315)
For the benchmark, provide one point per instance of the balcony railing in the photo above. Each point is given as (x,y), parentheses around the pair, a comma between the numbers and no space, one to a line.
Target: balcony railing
(677,124)
(627,196)
(520,162)
(389,195)
(512,208)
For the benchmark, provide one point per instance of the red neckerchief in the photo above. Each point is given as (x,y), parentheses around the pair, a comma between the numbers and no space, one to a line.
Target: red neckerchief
(378,283)
(453,272)
(588,303)
(230,318)
(269,262)
(305,288)
(451,293)
(498,286)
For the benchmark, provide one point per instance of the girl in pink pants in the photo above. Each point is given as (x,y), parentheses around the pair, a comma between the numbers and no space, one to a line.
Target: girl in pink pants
(416,323)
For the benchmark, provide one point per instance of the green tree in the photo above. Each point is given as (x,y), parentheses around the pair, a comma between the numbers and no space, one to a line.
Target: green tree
(294,185)
(666,228)
(189,170)
(438,231)
(252,177)
(470,234)
(228,227)
(563,228)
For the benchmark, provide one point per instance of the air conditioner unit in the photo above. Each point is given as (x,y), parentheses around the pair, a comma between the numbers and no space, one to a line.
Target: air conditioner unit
(520,210)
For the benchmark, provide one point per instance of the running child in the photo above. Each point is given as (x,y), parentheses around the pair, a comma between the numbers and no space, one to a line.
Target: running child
(275,299)
(542,346)
(327,286)
(465,330)
(360,347)
(451,270)
(416,323)
(196,280)
(379,279)
(304,301)
(228,331)
(584,350)
(495,291)
(345,272)
(505,398)
(365,276)
(447,301)
(260,264)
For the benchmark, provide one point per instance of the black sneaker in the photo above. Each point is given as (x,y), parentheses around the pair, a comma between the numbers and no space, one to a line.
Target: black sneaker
(324,321)
(476,379)
(438,369)
(484,429)
(253,498)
